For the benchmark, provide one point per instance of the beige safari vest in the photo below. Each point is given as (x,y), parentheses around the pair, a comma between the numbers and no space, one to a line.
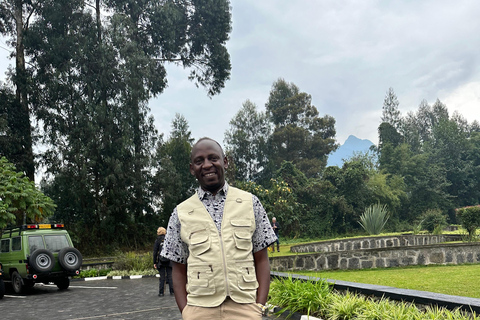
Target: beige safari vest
(219,265)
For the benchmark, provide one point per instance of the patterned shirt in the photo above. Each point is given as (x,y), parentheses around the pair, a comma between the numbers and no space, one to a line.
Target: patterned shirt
(176,250)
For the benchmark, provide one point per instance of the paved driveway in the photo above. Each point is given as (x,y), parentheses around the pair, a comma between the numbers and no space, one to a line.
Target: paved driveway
(98,299)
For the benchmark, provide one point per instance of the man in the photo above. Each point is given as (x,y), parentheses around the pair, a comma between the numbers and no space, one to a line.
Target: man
(217,241)
(276,228)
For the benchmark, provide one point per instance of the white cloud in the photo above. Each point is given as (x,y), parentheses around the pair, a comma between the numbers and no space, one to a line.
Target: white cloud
(465,100)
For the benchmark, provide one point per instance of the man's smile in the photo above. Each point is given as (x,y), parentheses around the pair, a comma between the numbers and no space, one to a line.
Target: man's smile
(210,174)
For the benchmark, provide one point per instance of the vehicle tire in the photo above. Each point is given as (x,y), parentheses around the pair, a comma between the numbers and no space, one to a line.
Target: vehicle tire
(2,288)
(70,259)
(63,283)
(17,283)
(42,260)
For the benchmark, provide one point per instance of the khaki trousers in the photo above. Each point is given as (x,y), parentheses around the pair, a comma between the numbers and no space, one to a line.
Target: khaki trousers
(228,310)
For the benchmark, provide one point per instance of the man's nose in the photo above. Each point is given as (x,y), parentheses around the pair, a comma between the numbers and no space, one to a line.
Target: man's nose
(207,163)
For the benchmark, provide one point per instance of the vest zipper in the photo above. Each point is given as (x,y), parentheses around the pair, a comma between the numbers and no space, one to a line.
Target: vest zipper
(224,265)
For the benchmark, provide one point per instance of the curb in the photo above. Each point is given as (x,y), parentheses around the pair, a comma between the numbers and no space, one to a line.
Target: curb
(133,277)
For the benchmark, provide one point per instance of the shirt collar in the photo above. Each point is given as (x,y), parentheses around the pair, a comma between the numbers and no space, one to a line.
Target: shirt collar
(202,194)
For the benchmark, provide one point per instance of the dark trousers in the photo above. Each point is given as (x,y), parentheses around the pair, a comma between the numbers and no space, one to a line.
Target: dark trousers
(165,272)
(278,245)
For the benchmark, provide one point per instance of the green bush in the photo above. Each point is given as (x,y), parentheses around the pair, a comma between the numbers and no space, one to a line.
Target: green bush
(93,273)
(374,218)
(433,220)
(309,297)
(134,261)
(318,299)
(470,219)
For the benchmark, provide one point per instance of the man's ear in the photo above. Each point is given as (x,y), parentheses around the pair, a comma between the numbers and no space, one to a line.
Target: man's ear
(191,170)
(225,162)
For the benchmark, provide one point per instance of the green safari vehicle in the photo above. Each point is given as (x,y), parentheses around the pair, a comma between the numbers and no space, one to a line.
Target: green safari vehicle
(38,253)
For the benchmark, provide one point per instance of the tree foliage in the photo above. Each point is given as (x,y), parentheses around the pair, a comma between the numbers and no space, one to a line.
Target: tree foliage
(300,135)
(20,200)
(90,77)
(246,142)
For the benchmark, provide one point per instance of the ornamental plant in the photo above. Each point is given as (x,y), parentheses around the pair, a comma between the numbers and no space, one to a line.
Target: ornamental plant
(374,218)
(470,219)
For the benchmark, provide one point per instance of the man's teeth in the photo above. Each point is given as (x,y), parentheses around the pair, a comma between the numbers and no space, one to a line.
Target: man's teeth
(210,174)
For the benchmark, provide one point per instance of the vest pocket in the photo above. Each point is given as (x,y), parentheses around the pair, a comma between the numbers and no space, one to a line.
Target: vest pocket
(199,242)
(242,234)
(246,277)
(243,240)
(200,280)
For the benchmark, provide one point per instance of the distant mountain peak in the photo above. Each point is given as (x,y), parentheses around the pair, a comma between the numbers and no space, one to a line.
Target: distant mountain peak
(351,146)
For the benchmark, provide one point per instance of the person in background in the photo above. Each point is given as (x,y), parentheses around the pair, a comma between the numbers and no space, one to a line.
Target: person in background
(217,241)
(162,264)
(276,228)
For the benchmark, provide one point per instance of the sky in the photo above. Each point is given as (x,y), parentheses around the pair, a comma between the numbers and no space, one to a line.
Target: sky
(345,54)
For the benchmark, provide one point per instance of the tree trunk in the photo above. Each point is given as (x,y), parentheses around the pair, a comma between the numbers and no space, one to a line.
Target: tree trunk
(25,130)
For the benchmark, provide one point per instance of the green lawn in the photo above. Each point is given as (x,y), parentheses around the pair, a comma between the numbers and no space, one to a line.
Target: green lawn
(460,280)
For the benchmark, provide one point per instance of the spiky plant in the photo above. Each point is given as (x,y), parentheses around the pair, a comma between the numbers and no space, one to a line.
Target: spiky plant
(374,218)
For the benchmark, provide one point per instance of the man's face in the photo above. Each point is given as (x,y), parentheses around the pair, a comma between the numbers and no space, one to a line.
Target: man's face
(208,165)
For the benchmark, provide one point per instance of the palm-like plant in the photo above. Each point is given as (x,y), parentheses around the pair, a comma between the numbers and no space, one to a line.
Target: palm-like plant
(374,218)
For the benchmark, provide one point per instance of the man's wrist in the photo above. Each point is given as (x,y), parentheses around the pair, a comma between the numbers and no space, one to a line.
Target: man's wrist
(263,308)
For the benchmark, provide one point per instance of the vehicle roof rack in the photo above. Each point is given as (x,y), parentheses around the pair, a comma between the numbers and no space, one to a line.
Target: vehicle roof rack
(32,227)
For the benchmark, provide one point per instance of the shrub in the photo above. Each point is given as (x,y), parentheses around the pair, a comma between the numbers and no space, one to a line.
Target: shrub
(318,299)
(433,219)
(346,307)
(309,297)
(470,219)
(134,261)
(374,218)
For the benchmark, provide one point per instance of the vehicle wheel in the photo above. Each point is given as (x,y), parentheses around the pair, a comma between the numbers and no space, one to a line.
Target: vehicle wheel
(17,283)
(42,260)
(70,259)
(2,288)
(63,283)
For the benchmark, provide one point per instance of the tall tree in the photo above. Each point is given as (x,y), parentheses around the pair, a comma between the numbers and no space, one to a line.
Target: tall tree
(390,110)
(173,182)
(300,135)
(15,17)
(246,141)
(94,76)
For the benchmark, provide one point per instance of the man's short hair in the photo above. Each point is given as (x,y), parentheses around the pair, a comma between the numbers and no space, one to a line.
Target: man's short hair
(207,138)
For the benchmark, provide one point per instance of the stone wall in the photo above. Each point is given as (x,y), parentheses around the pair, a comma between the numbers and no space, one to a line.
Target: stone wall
(373,243)
(385,257)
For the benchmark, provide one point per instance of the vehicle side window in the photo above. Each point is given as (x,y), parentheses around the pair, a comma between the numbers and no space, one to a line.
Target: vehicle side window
(56,243)
(35,242)
(5,245)
(16,244)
